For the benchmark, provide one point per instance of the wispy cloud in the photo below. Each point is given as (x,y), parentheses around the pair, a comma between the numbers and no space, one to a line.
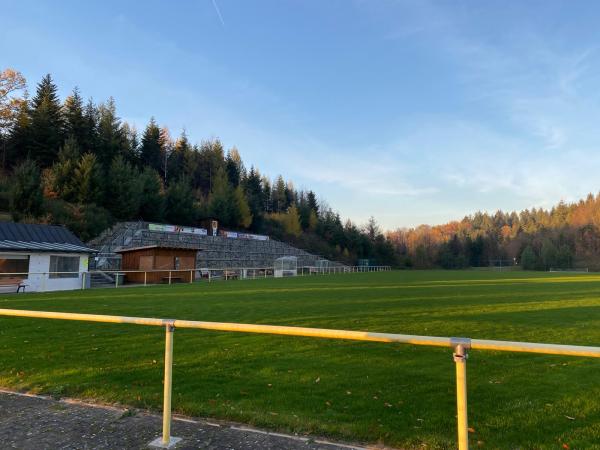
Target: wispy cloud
(218,11)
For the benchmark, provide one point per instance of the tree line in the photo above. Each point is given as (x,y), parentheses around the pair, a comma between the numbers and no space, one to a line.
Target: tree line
(562,237)
(75,162)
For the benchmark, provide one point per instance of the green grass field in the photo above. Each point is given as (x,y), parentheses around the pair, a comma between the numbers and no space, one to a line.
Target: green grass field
(395,394)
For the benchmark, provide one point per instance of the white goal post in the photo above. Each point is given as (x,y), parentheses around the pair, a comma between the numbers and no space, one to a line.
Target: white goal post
(286,266)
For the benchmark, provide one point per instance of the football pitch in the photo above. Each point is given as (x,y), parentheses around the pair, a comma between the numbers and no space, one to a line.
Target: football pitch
(394,394)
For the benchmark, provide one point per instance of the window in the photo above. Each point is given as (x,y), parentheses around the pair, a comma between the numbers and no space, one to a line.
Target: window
(18,264)
(68,264)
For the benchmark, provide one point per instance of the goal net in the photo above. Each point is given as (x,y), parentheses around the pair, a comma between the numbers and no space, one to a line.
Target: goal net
(286,266)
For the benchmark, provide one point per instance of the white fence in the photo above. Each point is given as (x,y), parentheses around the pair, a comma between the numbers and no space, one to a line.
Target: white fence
(119,277)
(45,281)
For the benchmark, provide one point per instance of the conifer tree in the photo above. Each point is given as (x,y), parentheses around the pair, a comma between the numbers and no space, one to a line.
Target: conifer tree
(75,123)
(91,118)
(221,205)
(311,198)
(19,140)
(87,180)
(180,203)
(278,195)
(58,179)
(111,141)
(123,190)
(243,215)
(178,161)
(46,127)
(528,259)
(313,221)
(130,151)
(254,194)
(152,198)
(234,167)
(26,193)
(151,151)
(210,162)
(265,194)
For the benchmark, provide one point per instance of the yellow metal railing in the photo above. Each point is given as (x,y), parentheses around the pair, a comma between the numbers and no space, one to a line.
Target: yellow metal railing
(461,346)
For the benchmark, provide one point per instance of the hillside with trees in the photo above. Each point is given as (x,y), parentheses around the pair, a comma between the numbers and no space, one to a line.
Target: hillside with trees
(75,162)
(566,236)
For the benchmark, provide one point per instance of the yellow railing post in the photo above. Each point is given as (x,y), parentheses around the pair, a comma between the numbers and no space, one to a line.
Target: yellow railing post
(145,278)
(460,360)
(166,440)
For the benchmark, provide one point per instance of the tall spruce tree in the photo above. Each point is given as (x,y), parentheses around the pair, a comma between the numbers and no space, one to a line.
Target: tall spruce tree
(311,198)
(123,189)
(278,195)
(46,127)
(180,208)
(91,118)
(19,139)
(254,194)
(234,167)
(152,198)
(151,151)
(179,160)
(210,162)
(130,150)
(111,141)
(75,123)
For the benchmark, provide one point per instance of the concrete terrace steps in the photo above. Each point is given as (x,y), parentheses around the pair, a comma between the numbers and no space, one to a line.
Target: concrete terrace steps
(216,252)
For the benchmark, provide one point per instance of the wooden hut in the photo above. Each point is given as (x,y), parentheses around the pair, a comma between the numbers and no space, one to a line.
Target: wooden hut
(158,264)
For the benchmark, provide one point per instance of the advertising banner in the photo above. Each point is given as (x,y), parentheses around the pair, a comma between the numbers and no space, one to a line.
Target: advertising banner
(176,229)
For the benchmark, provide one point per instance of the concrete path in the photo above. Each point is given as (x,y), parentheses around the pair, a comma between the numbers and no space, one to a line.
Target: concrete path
(37,423)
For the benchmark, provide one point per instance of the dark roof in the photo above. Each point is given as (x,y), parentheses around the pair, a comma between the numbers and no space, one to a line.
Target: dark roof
(27,236)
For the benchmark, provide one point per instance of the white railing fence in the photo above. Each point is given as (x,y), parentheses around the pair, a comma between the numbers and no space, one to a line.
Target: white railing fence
(39,281)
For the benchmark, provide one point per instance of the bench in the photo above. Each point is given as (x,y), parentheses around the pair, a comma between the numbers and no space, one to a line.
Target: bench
(13,283)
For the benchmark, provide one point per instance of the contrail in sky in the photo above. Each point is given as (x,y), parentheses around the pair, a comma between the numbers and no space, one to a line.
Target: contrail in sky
(214,2)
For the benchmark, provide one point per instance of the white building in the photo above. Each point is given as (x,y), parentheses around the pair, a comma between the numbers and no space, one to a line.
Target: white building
(41,258)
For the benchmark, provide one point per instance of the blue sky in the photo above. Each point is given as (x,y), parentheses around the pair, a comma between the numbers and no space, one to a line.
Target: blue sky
(410,111)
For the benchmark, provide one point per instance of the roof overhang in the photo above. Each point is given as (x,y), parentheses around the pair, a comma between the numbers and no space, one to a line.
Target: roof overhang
(35,247)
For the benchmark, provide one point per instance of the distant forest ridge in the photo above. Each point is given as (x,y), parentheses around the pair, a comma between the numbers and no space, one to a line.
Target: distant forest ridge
(74,162)
(564,237)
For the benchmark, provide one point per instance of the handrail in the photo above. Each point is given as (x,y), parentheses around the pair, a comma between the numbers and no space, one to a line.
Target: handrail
(460,346)
(434,341)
